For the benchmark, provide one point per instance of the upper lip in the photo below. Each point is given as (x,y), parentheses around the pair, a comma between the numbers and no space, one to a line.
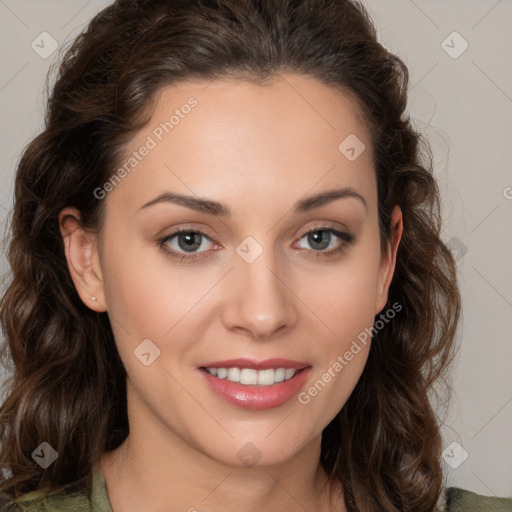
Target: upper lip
(256,365)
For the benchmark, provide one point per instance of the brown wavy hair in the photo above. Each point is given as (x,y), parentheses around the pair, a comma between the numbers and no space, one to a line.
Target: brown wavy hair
(68,384)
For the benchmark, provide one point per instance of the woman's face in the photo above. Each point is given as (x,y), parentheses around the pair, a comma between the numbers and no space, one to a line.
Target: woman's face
(249,281)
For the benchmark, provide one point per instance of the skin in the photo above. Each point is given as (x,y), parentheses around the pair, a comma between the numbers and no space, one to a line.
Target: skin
(258,150)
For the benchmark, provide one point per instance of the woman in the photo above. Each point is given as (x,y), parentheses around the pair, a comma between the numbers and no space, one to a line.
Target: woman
(229,291)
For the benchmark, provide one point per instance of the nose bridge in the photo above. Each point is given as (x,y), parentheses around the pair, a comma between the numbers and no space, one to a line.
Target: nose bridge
(261,301)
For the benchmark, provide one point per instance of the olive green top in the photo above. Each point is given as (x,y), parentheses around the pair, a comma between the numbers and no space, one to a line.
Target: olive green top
(97,501)
(453,499)
(460,500)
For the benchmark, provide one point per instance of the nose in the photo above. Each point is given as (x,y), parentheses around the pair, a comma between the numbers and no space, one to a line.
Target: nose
(261,302)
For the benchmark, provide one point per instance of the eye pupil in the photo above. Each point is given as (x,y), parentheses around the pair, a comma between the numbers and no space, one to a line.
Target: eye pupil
(322,239)
(190,243)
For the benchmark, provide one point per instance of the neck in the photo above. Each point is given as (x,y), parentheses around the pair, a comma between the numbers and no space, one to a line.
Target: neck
(142,476)
(157,466)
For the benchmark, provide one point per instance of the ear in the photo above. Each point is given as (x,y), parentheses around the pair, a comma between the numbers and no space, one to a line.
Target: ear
(83,259)
(388,260)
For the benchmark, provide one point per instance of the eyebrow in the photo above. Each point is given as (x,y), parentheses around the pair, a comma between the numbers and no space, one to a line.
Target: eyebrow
(215,208)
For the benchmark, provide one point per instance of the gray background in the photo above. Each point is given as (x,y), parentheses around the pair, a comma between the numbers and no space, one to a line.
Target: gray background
(462,102)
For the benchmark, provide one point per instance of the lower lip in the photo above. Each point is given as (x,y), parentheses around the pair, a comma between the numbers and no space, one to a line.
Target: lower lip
(257,397)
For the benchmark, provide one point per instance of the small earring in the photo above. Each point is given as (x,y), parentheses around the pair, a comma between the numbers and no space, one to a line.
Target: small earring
(93,298)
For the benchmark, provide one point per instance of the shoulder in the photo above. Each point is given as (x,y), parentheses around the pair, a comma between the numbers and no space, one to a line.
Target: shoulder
(454,499)
(40,501)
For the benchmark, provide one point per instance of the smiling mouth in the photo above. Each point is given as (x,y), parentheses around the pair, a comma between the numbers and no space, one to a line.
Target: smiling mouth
(252,377)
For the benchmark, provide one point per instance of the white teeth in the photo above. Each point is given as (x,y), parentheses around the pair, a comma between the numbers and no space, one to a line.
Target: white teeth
(266,377)
(279,374)
(249,376)
(234,374)
(289,372)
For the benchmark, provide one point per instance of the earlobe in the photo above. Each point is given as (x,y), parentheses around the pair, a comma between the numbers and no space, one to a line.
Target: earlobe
(388,261)
(81,252)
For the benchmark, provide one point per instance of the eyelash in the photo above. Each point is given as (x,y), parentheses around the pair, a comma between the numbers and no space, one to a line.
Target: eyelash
(347,240)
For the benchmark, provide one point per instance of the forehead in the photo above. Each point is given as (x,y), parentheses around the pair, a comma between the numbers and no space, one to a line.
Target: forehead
(289,135)
(277,103)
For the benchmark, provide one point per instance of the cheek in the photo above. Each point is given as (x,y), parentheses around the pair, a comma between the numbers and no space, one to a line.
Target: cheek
(344,295)
(145,293)
(345,305)
(346,310)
